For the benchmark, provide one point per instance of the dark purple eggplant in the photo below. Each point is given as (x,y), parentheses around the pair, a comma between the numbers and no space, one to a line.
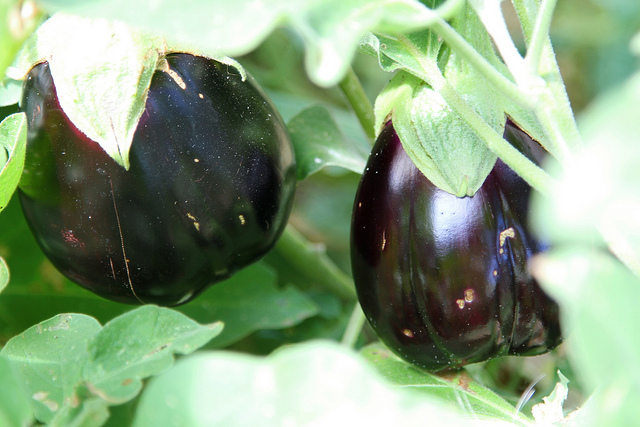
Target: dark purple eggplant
(209,189)
(444,280)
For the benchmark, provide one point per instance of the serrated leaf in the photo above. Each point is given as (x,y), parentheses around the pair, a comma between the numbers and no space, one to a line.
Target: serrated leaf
(316,383)
(49,358)
(13,142)
(250,301)
(66,362)
(319,143)
(139,344)
(15,408)
(470,397)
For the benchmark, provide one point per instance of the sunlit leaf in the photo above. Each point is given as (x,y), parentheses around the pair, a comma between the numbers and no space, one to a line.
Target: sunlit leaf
(316,383)
(469,396)
(319,143)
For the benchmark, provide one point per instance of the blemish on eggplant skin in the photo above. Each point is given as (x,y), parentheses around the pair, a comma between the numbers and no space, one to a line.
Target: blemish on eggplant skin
(408,333)
(509,232)
(469,295)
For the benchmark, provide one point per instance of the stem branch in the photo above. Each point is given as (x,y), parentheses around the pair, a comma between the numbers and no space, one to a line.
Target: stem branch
(529,171)
(540,36)
(352,89)
(310,261)
(463,48)
(354,327)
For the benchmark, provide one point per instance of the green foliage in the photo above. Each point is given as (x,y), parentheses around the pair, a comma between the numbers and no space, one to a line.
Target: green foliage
(251,301)
(309,384)
(70,361)
(331,29)
(592,216)
(319,143)
(470,396)
(15,407)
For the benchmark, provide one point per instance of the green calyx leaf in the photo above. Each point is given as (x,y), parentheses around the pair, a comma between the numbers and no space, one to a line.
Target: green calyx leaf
(438,141)
(102,71)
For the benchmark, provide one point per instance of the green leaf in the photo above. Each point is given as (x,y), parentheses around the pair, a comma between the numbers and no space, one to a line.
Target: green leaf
(316,383)
(90,412)
(139,344)
(471,397)
(101,70)
(331,29)
(600,317)
(15,408)
(406,52)
(250,301)
(319,143)
(4,274)
(599,192)
(49,358)
(439,142)
(69,361)
(13,141)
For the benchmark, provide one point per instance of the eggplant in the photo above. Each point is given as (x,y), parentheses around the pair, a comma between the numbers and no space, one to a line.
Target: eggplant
(443,280)
(208,192)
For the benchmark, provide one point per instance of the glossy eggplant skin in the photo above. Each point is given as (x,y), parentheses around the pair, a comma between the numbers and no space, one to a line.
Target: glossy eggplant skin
(442,280)
(208,192)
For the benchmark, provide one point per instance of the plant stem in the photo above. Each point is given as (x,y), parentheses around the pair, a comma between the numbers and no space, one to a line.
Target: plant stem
(449,8)
(490,14)
(361,105)
(553,109)
(499,81)
(354,327)
(529,171)
(540,34)
(311,261)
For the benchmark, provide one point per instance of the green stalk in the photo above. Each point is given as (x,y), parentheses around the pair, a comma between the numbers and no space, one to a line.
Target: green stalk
(529,171)
(468,52)
(552,107)
(312,262)
(352,89)
(354,327)
(540,34)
